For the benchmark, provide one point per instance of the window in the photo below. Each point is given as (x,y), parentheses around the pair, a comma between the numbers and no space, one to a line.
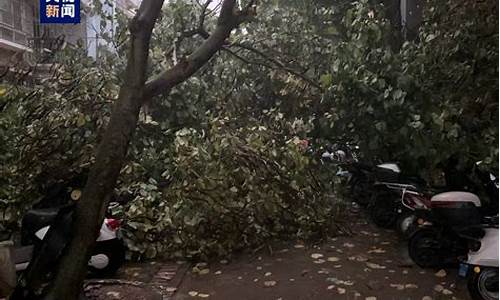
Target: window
(16,20)
(18,15)
(6,12)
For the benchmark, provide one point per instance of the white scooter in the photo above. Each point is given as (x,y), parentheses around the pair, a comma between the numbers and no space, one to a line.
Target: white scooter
(481,266)
(45,233)
(108,253)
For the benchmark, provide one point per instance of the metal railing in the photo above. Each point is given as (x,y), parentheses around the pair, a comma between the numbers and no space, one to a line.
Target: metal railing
(45,44)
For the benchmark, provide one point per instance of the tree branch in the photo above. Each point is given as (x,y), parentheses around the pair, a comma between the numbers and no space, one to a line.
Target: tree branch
(199,30)
(274,61)
(203,15)
(229,19)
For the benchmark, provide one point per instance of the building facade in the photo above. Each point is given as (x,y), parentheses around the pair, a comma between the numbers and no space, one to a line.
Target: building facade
(17,26)
(22,35)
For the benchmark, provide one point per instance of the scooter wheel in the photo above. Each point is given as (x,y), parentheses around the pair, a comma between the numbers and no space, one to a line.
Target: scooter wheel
(383,211)
(484,285)
(425,248)
(405,225)
(360,191)
(107,258)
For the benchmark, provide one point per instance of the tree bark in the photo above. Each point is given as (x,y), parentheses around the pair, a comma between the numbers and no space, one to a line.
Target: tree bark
(111,153)
(228,19)
(110,157)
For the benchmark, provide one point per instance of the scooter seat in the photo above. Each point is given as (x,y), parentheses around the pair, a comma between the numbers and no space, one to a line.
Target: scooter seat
(383,174)
(34,220)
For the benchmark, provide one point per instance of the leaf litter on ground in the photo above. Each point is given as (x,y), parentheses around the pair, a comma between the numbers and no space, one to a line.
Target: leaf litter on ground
(270,283)
(337,281)
(348,245)
(375,266)
(377,250)
(440,273)
(319,261)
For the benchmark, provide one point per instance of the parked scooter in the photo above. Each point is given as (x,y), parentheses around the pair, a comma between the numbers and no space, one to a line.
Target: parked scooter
(365,182)
(411,200)
(51,231)
(359,176)
(481,266)
(108,254)
(393,204)
(441,236)
(447,227)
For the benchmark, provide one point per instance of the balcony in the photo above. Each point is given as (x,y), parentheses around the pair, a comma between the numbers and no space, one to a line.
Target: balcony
(45,44)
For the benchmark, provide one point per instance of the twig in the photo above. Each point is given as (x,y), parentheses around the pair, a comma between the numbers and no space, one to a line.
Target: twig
(276,62)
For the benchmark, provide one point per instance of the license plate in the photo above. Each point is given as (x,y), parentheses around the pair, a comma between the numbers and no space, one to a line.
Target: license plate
(463,270)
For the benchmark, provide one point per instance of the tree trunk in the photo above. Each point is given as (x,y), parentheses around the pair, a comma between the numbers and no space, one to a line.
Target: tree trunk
(110,158)
(112,150)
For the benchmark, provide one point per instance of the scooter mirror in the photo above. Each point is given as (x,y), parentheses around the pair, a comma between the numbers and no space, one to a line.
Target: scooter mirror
(327,154)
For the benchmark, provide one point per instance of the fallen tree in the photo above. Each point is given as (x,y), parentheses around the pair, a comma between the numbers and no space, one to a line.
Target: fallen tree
(111,153)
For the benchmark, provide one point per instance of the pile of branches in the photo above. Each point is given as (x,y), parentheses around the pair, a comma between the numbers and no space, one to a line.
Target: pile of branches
(231,189)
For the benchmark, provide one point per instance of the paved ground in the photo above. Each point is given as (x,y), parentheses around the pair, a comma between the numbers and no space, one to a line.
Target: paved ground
(138,281)
(370,265)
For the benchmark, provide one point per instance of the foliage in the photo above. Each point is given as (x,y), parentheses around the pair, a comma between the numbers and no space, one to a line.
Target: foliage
(215,160)
(434,98)
(50,130)
(230,188)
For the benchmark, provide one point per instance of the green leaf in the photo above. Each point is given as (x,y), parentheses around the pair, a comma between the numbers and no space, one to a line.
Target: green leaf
(430,37)
(332,30)
(150,252)
(80,121)
(397,94)
(387,92)
(381,126)
(326,80)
